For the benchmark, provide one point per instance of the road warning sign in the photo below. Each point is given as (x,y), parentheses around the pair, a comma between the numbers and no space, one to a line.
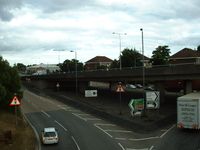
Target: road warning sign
(120,88)
(15,101)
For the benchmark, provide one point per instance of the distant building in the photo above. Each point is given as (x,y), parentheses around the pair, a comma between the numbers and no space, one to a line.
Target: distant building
(184,56)
(97,61)
(42,69)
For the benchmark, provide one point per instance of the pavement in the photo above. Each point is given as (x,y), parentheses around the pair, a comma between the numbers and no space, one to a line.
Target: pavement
(107,105)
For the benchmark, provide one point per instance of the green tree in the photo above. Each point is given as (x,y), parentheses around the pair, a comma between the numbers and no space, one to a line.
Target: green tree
(198,48)
(131,58)
(69,65)
(20,67)
(160,55)
(9,83)
(115,64)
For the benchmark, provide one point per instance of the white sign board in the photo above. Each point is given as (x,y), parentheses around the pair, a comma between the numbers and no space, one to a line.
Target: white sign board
(152,99)
(90,93)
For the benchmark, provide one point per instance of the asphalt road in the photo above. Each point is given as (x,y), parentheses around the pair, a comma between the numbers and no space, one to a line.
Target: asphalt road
(80,130)
(179,139)
(74,132)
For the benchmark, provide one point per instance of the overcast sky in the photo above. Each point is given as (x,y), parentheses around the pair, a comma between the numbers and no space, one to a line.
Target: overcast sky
(31,30)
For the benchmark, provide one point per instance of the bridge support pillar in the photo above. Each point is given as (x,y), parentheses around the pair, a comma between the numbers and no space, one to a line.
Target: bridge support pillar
(188,87)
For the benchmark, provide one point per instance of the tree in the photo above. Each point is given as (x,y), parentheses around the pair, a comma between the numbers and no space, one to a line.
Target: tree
(131,58)
(160,55)
(114,64)
(198,48)
(20,67)
(9,83)
(69,65)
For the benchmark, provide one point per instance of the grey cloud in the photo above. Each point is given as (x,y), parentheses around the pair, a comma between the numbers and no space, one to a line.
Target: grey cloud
(5,8)
(51,6)
(191,41)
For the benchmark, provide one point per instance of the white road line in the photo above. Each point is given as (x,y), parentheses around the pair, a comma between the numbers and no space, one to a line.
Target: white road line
(167,131)
(46,114)
(103,130)
(83,114)
(105,124)
(120,139)
(72,110)
(92,119)
(151,147)
(66,97)
(75,143)
(61,125)
(122,131)
(121,146)
(143,139)
(137,149)
(79,116)
(35,131)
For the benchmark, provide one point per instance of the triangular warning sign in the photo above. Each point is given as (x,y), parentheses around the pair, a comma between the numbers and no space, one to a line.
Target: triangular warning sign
(15,101)
(119,89)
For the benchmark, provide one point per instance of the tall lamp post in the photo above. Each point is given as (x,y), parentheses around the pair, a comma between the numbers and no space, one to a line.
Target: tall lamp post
(120,44)
(143,72)
(76,70)
(58,50)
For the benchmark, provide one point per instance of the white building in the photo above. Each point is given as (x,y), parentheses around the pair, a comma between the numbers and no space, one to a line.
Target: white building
(42,69)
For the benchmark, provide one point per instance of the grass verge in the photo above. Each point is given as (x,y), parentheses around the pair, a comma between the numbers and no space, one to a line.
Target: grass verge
(23,137)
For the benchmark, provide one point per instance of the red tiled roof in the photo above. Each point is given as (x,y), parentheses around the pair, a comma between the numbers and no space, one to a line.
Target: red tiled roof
(99,59)
(185,53)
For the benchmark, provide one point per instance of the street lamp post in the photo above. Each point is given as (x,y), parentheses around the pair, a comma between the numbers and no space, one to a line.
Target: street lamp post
(76,71)
(120,44)
(58,50)
(143,72)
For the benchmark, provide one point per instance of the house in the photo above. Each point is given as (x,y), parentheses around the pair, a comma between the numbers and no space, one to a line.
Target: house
(97,61)
(185,56)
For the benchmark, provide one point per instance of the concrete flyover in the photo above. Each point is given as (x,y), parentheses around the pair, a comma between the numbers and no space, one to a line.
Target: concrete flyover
(183,76)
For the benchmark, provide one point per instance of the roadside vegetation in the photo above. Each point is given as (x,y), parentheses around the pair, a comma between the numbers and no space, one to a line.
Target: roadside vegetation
(13,136)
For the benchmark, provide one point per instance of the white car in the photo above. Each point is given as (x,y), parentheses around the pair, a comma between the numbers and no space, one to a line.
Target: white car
(49,136)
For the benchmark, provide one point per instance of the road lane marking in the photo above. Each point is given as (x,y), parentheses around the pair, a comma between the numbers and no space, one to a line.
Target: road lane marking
(122,131)
(103,130)
(105,124)
(92,119)
(121,146)
(79,116)
(167,131)
(75,143)
(45,113)
(34,129)
(71,110)
(61,125)
(66,97)
(143,139)
(137,149)
(151,147)
(83,114)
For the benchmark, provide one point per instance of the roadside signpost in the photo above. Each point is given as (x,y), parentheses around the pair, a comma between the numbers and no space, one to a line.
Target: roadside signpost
(90,93)
(15,102)
(136,106)
(153,100)
(120,89)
